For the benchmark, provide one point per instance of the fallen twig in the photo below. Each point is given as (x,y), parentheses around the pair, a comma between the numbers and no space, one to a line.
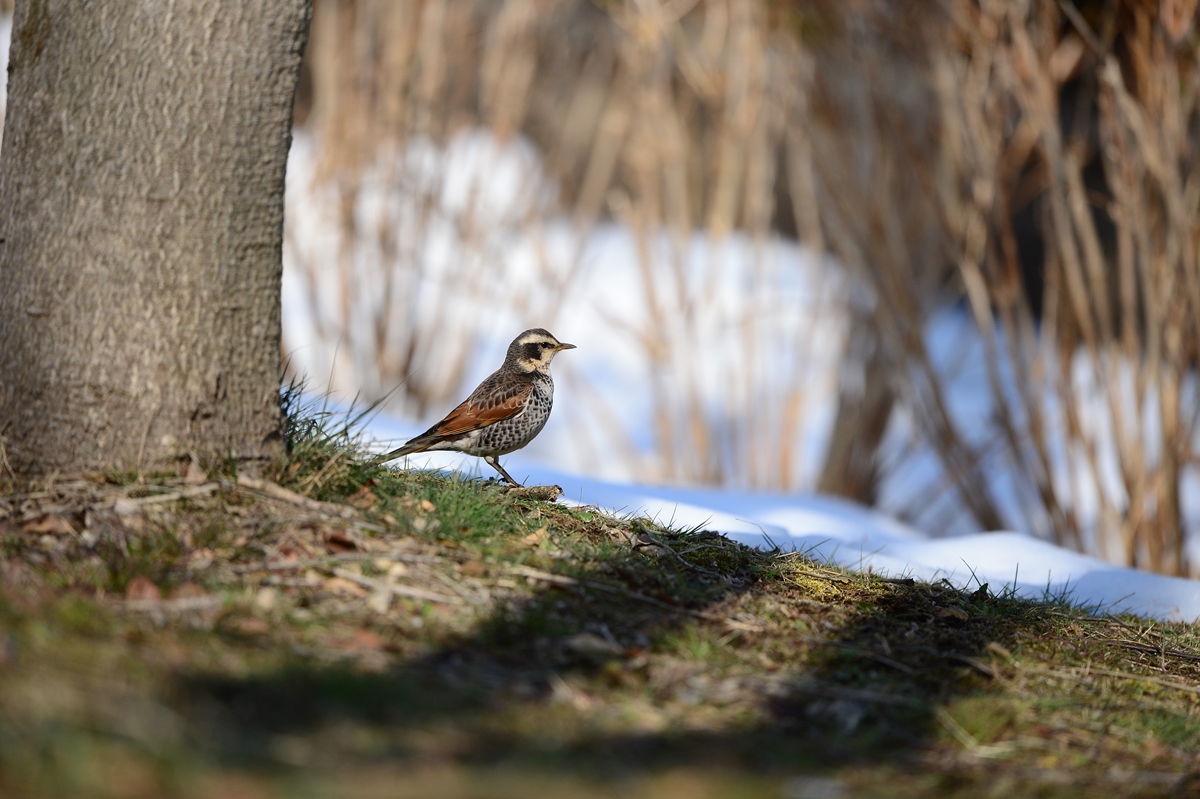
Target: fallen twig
(968,740)
(276,491)
(326,561)
(454,586)
(157,499)
(544,493)
(642,530)
(1151,650)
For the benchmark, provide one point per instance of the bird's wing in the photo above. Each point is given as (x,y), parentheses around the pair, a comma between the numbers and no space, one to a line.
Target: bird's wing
(490,403)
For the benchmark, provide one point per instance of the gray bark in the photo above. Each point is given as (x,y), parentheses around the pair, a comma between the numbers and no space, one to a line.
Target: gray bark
(141,211)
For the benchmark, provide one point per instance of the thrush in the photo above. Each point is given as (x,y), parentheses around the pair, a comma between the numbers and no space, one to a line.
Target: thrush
(505,412)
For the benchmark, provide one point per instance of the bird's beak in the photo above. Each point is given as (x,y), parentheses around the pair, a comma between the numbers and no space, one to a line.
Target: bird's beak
(562,347)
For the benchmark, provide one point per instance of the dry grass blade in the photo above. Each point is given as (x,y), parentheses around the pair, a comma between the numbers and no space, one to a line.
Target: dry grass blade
(1085,672)
(400,590)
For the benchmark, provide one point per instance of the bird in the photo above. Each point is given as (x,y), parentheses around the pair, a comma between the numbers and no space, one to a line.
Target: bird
(507,411)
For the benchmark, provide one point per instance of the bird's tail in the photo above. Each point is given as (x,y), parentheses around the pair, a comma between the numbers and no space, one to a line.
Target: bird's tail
(416,445)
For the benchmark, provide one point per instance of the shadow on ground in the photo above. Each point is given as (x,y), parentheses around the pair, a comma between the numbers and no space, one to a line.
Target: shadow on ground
(808,672)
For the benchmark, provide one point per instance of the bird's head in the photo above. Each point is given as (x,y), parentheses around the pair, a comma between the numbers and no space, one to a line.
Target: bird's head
(533,350)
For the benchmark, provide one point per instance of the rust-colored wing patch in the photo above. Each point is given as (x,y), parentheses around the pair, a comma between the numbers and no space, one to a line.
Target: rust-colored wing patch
(484,408)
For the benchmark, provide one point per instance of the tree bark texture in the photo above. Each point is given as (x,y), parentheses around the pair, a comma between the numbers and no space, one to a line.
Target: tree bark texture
(141,211)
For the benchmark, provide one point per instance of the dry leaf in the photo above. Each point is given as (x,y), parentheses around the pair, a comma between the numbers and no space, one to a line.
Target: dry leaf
(187,590)
(55,525)
(537,537)
(201,558)
(195,475)
(364,498)
(360,642)
(365,641)
(340,585)
(249,625)
(337,542)
(956,613)
(292,548)
(142,588)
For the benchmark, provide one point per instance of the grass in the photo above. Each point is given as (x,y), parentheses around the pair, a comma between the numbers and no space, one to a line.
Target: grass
(340,629)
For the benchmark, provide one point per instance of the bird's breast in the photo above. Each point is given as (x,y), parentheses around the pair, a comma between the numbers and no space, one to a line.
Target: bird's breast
(537,408)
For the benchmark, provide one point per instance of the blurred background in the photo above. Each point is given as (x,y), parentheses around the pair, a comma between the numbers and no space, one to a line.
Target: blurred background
(939,258)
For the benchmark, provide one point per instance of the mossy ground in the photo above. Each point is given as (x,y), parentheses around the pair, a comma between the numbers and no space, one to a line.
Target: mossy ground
(339,629)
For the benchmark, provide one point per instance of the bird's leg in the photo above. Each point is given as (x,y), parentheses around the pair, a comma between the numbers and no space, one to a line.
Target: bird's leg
(494,462)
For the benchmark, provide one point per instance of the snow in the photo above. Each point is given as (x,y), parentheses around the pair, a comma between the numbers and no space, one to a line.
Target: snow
(848,535)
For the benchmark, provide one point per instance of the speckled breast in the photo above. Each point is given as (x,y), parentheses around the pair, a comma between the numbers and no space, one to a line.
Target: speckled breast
(521,428)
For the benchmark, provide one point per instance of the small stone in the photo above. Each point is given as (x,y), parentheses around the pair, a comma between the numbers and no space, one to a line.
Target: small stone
(592,645)
(267,599)
(380,601)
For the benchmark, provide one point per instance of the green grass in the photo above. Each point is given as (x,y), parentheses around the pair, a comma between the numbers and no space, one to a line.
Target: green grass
(530,649)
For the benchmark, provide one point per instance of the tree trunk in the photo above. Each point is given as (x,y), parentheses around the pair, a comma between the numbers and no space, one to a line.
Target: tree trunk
(141,216)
